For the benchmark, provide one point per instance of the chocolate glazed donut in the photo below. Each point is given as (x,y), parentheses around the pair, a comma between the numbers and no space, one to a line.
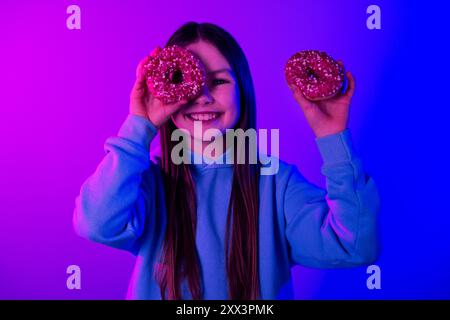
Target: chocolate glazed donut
(173,74)
(315,73)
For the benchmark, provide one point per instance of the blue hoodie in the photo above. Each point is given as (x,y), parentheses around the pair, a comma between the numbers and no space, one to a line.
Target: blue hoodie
(122,205)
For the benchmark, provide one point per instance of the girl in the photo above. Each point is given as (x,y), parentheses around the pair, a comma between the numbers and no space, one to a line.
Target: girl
(223,231)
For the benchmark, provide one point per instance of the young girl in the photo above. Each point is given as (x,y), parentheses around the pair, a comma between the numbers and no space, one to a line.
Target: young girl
(224,231)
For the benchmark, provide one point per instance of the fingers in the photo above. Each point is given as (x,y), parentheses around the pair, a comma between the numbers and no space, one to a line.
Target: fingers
(304,103)
(346,85)
(140,87)
(298,95)
(140,70)
(301,99)
(351,85)
(173,107)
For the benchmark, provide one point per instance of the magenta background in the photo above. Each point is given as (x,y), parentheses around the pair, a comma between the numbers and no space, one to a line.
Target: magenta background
(63,92)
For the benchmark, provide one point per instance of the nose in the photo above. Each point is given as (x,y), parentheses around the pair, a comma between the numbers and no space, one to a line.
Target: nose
(205,96)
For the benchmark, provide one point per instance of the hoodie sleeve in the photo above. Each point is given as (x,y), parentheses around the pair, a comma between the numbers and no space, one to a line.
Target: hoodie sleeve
(336,227)
(113,203)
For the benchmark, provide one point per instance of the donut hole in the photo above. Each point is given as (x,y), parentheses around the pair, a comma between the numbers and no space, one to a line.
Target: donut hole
(176,77)
(310,72)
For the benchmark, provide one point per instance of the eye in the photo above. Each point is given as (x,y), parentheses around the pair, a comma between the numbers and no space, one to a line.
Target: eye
(219,81)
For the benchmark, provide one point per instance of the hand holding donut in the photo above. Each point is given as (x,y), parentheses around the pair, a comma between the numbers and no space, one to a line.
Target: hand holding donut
(166,80)
(144,104)
(325,107)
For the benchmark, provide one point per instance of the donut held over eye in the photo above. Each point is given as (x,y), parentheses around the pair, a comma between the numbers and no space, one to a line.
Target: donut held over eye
(173,74)
(315,73)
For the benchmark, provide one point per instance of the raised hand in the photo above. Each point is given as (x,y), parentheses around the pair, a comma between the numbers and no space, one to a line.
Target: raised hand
(329,116)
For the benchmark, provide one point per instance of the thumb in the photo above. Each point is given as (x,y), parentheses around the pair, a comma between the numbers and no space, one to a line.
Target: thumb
(305,104)
(140,85)
(141,69)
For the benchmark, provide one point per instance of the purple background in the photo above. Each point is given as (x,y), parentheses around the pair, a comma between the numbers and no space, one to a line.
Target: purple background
(63,92)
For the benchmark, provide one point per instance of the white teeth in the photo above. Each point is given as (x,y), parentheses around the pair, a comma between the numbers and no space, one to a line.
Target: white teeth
(203,116)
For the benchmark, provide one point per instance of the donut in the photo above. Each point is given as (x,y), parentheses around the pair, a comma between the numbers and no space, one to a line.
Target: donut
(173,74)
(315,73)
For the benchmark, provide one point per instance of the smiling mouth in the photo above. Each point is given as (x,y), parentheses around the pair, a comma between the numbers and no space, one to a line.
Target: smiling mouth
(203,116)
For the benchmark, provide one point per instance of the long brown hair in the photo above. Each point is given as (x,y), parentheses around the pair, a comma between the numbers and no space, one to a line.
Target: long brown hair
(180,259)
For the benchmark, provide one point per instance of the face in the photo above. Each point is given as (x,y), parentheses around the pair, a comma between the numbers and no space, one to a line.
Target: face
(218,105)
